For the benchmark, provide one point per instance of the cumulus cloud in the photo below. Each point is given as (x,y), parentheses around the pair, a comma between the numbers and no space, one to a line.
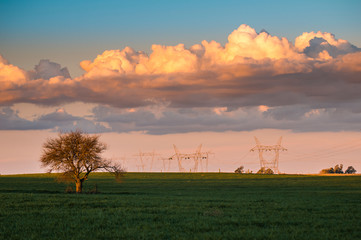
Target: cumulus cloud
(328,41)
(244,46)
(280,81)
(246,43)
(116,61)
(47,84)
(349,62)
(47,70)
(10,76)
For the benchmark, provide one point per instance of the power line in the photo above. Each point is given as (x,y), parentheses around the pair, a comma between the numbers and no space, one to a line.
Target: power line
(330,152)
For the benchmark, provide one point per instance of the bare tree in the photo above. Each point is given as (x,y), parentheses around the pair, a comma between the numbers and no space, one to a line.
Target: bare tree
(76,155)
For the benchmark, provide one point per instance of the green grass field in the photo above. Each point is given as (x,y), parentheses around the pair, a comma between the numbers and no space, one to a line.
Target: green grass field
(182,206)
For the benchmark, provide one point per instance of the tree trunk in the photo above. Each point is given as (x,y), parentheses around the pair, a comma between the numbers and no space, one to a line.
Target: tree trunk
(79,186)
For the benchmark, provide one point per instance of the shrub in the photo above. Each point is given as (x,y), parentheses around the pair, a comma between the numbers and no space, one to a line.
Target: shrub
(264,170)
(327,171)
(350,170)
(239,170)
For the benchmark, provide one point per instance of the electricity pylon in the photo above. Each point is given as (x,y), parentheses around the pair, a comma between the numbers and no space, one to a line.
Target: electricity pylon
(166,167)
(272,163)
(144,159)
(197,157)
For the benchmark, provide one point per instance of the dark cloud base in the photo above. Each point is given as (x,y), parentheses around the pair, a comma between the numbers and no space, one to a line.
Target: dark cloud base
(298,118)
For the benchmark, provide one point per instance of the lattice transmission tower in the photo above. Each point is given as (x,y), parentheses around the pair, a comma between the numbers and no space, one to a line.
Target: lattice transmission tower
(145,160)
(194,160)
(269,163)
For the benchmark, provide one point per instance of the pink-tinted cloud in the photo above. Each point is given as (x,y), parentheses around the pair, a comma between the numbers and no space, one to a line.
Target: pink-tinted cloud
(350,63)
(245,43)
(323,45)
(303,41)
(251,70)
(47,70)
(10,76)
(47,84)
(244,46)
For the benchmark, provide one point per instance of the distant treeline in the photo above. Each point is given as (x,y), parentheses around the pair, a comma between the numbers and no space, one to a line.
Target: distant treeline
(338,170)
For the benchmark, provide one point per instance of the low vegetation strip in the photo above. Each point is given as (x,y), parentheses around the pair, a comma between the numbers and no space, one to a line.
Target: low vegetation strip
(182,206)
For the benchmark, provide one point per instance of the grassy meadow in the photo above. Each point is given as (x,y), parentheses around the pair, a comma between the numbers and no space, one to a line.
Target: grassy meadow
(182,206)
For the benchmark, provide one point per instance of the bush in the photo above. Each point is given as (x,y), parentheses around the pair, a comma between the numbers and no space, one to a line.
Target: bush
(263,170)
(239,170)
(350,170)
(327,171)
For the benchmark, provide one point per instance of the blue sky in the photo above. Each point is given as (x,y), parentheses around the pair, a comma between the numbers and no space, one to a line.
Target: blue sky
(68,32)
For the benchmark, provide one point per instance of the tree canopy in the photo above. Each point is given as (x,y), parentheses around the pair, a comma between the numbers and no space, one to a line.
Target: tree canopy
(350,170)
(76,155)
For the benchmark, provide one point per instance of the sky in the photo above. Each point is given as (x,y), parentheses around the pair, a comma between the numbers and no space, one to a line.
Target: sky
(149,74)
